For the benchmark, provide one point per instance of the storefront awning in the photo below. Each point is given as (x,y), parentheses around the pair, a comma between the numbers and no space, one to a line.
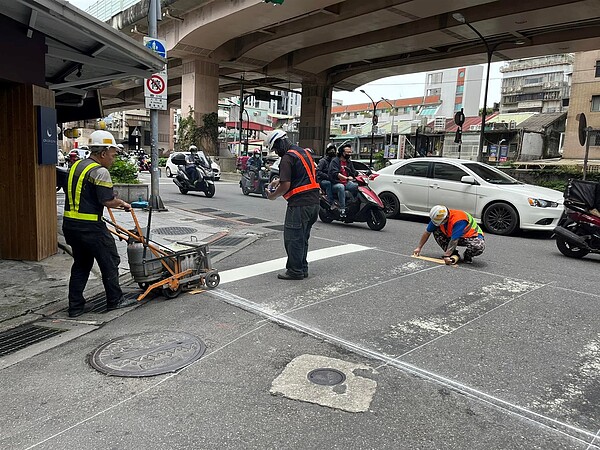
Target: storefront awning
(82,53)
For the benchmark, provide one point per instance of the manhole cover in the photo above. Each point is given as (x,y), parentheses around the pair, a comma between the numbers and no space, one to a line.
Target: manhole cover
(147,354)
(175,230)
(326,377)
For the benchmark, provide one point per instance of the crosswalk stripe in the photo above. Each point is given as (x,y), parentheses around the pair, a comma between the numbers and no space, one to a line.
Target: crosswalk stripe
(228,276)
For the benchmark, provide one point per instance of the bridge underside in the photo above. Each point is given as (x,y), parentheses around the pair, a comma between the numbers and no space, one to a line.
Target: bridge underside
(345,44)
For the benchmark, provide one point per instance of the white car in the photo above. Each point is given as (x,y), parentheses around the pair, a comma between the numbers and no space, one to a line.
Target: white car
(171,168)
(498,201)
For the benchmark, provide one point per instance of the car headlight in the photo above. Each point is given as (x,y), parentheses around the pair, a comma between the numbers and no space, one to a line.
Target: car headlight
(540,203)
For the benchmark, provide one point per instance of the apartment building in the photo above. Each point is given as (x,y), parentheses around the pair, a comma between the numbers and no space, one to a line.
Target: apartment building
(457,88)
(585,98)
(537,84)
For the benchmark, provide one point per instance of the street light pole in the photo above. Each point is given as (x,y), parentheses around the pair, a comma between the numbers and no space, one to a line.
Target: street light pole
(391,111)
(490,53)
(373,123)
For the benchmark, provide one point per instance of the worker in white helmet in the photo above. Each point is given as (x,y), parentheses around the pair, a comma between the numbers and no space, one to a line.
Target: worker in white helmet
(453,228)
(90,189)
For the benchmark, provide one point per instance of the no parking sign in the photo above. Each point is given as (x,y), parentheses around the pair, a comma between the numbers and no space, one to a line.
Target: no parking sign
(155,87)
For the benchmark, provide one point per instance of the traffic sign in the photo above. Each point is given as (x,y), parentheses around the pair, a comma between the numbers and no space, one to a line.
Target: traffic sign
(459,118)
(581,129)
(156,85)
(375,119)
(156,103)
(156,45)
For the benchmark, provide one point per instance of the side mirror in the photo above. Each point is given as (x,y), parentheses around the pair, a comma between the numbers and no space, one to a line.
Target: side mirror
(468,179)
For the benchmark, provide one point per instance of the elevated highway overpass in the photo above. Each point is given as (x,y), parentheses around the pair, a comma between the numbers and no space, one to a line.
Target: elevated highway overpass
(216,46)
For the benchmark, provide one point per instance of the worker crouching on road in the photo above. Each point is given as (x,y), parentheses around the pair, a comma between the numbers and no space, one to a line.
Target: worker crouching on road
(90,189)
(453,228)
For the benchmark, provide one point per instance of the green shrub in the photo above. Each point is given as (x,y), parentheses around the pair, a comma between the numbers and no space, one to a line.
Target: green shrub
(162,162)
(123,172)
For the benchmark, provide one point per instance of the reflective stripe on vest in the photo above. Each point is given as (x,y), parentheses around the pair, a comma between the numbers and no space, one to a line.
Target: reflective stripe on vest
(73,212)
(310,170)
(471,230)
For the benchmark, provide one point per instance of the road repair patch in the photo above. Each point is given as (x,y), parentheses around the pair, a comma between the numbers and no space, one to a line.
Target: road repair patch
(352,393)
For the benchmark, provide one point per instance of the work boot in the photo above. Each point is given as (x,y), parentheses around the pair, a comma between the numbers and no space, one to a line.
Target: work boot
(86,309)
(467,258)
(122,303)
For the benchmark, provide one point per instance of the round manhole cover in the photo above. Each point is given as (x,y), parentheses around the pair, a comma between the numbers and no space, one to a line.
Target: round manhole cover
(147,354)
(326,377)
(175,230)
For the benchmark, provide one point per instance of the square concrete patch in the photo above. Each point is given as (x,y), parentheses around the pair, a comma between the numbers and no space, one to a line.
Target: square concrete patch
(352,395)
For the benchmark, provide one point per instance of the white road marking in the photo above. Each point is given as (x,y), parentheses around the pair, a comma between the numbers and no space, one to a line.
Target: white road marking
(228,276)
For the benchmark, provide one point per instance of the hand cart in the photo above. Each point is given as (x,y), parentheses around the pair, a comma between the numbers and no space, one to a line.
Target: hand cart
(155,266)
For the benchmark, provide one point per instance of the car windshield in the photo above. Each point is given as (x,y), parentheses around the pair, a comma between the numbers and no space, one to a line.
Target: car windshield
(490,174)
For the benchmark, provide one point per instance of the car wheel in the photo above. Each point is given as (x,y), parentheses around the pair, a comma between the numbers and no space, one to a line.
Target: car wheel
(376,219)
(391,204)
(500,218)
(168,171)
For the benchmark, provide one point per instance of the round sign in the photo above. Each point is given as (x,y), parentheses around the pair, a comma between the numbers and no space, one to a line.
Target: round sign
(155,84)
(375,119)
(459,118)
(581,128)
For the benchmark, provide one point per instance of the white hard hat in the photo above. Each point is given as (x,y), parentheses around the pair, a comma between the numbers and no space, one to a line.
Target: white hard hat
(438,214)
(193,148)
(101,138)
(272,137)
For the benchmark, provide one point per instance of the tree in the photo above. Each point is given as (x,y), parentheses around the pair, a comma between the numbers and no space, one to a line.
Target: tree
(204,137)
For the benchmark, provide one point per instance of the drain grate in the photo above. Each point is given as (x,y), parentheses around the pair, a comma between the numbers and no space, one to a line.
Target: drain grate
(326,377)
(175,230)
(97,303)
(219,223)
(275,227)
(206,209)
(18,338)
(229,241)
(227,214)
(147,354)
(253,220)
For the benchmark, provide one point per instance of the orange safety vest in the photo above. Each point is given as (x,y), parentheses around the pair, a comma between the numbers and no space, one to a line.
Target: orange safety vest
(455,215)
(309,180)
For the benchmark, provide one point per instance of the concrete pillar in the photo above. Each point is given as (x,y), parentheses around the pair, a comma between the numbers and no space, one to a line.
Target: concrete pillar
(28,229)
(315,116)
(200,89)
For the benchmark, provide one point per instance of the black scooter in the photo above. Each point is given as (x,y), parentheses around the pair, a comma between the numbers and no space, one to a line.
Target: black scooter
(204,182)
(366,207)
(578,231)
(260,184)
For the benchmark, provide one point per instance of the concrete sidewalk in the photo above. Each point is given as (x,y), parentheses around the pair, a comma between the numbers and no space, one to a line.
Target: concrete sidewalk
(38,290)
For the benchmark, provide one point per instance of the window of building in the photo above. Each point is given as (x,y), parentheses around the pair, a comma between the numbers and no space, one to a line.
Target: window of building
(431,92)
(434,78)
(595,103)
(458,106)
(597,69)
(460,89)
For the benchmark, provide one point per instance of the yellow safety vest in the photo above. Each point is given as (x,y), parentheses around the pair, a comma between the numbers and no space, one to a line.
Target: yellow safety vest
(75,197)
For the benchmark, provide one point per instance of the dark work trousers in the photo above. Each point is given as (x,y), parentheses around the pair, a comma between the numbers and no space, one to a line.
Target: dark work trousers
(87,246)
(296,232)
(475,245)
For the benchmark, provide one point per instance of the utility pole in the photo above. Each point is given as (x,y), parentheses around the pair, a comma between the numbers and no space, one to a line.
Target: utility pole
(156,202)
(373,125)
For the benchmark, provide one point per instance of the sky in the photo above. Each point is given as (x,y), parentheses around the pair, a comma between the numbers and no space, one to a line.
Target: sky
(392,88)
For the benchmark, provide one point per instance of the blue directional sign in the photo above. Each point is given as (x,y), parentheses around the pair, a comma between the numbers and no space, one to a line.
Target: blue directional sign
(157,46)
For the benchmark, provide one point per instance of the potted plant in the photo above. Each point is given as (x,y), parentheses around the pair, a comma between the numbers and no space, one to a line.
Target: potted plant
(126,183)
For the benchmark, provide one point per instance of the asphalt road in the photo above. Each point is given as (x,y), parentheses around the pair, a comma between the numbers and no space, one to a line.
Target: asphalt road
(503,353)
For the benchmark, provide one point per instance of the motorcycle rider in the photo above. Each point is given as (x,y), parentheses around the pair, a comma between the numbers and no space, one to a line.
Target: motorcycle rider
(254,165)
(323,177)
(342,171)
(191,169)
(452,228)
